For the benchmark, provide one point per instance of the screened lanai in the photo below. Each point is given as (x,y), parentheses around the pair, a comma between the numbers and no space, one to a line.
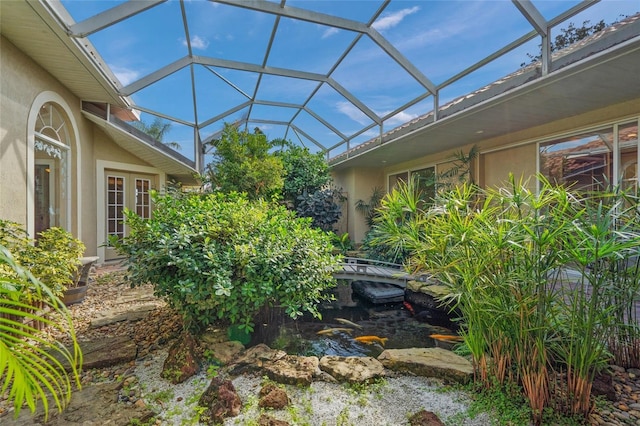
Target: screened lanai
(334,76)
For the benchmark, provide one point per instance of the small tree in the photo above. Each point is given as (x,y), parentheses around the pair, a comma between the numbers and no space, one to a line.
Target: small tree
(305,173)
(569,36)
(243,163)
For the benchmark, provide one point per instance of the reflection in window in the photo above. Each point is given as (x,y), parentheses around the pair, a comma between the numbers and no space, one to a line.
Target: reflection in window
(582,162)
(426,179)
(628,143)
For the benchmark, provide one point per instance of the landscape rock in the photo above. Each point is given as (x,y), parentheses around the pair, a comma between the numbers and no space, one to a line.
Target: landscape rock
(108,351)
(220,401)
(292,369)
(603,386)
(267,420)
(224,352)
(425,418)
(90,407)
(430,362)
(212,336)
(274,397)
(352,369)
(255,358)
(182,361)
(123,313)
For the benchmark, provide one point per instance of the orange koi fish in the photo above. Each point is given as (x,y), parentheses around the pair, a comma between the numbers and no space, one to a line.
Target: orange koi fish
(409,308)
(447,337)
(369,340)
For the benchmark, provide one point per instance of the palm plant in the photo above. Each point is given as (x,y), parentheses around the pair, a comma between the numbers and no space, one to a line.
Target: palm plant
(33,368)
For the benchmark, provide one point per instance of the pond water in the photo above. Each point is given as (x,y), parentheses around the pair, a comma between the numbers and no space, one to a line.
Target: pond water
(390,321)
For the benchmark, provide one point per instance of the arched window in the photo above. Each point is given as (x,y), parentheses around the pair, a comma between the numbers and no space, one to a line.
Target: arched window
(52,152)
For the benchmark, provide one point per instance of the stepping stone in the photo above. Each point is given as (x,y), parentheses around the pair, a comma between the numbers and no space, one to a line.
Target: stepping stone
(129,313)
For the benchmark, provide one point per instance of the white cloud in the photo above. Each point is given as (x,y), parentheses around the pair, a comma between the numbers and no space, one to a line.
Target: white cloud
(329,32)
(352,112)
(198,42)
(125,75)
(390,21)
(400,118)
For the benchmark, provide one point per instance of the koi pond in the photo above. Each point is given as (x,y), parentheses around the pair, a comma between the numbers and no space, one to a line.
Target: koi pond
(352,326)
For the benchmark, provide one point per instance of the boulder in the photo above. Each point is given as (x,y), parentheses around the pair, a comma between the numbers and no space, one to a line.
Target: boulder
(425,418)
(220,401)
(430,362)
(274,397)
(182,361)
(352,369)
(292,369)
(224,352)
(255,358)
(267,420)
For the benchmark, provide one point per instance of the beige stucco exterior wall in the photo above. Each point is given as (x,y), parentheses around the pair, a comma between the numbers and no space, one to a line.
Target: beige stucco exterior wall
(512,153)
(358,184)
(22,81)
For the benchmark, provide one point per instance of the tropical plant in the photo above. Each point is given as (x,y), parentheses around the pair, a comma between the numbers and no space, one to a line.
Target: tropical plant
(220,258)
(243,163)
(504,254)
(33,368)
(342,242)
(460,171)
(323,207)
(369,208)
(158,129)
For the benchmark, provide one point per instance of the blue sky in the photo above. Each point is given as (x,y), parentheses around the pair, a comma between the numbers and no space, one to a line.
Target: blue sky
(441,38)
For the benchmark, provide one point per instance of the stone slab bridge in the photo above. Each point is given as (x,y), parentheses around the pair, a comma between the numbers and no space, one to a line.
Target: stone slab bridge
(358,269)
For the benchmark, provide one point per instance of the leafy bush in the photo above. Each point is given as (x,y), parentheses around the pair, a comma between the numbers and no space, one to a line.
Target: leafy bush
(53,258)
(322,207)
(221,258)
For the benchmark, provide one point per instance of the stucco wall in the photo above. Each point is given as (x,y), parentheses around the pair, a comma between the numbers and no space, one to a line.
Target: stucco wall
(358,184)
(22,81)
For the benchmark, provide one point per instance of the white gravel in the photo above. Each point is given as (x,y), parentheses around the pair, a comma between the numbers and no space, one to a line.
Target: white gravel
(322,404)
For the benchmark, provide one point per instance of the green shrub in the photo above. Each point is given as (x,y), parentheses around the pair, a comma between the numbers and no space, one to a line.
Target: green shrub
(53,258)
(221,258)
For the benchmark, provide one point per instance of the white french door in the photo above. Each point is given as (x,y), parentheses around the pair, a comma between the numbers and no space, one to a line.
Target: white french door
(125,191)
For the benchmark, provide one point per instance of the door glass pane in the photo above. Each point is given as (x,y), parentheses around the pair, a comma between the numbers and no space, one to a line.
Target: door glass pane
(143,199)
(115,206)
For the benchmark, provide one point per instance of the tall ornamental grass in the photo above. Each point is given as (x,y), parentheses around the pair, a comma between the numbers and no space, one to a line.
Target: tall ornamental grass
(537,277)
